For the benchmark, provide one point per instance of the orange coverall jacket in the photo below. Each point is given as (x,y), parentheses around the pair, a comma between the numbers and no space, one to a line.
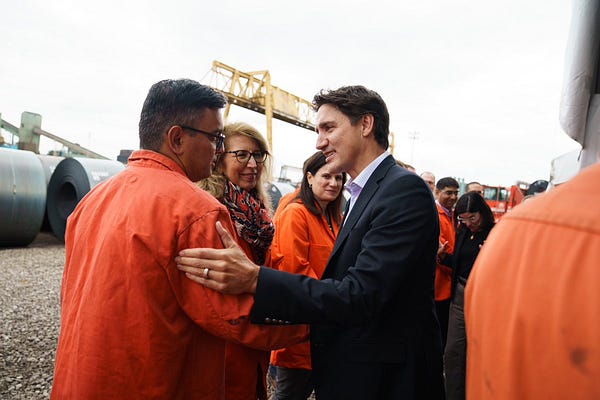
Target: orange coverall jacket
(245,367)
(132,325)
(443,274)
(532,302)
(302,245)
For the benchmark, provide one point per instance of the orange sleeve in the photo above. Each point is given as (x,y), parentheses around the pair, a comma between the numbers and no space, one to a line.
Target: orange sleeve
(225,316)
(291,244)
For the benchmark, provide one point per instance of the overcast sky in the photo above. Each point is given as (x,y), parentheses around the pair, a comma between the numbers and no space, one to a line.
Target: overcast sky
(478,81)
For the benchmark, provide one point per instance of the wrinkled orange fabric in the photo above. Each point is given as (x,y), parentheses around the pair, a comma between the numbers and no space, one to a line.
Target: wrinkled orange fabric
(132,325)
(443,274)
(285,200)
(532,302)
(302,245)
(245,367)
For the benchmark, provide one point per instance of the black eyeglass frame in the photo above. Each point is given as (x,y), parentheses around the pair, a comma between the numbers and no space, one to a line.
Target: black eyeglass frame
(262,154)
(217,138)
(472,219)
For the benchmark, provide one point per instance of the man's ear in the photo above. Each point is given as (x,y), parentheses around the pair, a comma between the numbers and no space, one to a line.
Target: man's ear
(174,139)
(367,124)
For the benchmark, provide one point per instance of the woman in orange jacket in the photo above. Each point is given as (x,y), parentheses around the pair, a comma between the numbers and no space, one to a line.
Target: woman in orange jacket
(305,231)
(237,182)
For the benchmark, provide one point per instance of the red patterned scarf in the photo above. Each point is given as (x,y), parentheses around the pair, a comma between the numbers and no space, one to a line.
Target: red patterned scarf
(251,219)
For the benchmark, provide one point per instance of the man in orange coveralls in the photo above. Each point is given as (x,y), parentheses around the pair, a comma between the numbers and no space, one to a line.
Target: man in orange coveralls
(446,194)
(132,325)
(532,303)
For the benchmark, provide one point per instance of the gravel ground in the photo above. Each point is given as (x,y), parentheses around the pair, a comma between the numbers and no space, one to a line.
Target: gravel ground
(29,299)
(29,293)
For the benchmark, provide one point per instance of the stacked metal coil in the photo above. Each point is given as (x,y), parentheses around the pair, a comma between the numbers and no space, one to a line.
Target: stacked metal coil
(72,179)
(49,164)
(40,192)
(22,197)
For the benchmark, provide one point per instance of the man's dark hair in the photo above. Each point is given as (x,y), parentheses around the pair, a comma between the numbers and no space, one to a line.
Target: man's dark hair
(356,101)
(446,182)
(174,102)
(333,210)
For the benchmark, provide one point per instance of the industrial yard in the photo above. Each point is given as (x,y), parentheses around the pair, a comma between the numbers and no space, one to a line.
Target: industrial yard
(29,299)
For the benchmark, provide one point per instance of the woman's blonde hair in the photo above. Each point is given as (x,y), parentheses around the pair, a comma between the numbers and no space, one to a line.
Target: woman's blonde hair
(215,184)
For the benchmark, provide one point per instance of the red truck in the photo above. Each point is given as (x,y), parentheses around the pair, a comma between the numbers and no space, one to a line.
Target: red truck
(502,199)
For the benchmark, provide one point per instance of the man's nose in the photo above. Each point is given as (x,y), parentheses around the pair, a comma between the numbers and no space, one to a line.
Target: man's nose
(321,142)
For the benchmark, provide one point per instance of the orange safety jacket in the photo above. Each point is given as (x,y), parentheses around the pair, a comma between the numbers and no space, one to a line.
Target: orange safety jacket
(132,325)
(245,367)
(443,274)
(302,244)
(532,304)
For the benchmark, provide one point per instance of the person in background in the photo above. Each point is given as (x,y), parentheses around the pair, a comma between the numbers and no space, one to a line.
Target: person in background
(373,329)
(446,193)
(474,220)
(305,230)
(474,187)
(237,182)
(429,178)
(537,336)
(132,326)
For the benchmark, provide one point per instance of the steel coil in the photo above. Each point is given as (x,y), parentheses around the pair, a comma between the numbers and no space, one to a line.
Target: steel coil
(71,180)
(22,197)
(49,164)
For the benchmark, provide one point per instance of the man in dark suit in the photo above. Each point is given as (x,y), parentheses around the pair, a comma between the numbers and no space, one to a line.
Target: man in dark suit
(374,333)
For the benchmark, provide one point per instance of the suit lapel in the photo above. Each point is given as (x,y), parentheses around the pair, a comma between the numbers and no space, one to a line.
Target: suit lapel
(363,200)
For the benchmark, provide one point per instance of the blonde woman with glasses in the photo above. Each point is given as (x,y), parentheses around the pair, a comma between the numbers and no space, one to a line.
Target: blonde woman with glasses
(237,181)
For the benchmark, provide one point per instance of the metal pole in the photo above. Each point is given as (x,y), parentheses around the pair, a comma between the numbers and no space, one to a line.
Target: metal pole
(413,136)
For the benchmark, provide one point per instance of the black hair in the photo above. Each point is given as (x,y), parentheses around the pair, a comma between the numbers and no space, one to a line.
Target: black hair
(333,210)
(171,102)
(473,202)
(356,101)
(446,182)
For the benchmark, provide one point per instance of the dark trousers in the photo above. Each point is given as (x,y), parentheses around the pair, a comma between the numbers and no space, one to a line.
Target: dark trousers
(441,308)
(455,355)
(293,383)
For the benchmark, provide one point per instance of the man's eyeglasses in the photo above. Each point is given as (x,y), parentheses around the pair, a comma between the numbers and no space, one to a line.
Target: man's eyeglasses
(450,192)
(216,138)
(243,156)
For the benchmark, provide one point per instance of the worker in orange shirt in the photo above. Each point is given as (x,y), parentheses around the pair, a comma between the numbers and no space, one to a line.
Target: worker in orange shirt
(132,325)
(532,303)
(446,194)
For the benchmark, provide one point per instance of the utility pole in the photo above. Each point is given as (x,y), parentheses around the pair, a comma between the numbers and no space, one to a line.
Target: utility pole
(414,136)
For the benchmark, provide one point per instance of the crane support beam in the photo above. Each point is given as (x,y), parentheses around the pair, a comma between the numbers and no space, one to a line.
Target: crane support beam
(74,147)
(30,131)
(253,90)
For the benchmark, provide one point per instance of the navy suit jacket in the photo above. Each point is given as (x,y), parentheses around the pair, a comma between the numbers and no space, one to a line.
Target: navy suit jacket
(374,333)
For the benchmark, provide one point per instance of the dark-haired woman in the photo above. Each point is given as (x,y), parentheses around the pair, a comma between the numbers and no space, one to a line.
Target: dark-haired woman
(474,220)
(305,230)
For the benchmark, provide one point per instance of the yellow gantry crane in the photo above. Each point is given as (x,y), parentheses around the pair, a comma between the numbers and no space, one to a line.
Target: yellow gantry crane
(253,90)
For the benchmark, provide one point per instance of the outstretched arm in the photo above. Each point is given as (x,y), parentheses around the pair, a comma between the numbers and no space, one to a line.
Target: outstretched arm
(226,270)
